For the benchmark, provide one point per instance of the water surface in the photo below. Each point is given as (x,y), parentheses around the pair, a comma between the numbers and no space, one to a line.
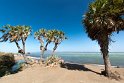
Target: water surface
(117,59)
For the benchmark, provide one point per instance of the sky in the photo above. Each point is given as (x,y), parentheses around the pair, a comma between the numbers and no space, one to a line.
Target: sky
(65,15)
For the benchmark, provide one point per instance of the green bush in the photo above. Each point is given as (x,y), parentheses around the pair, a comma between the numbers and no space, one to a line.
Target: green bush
(6,62)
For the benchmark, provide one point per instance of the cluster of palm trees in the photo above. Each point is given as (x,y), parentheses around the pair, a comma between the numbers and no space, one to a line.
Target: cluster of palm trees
(20,33)
(102,19)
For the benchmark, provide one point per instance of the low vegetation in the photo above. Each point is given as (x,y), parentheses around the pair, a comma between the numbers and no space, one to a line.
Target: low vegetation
(6,63)
(53,61)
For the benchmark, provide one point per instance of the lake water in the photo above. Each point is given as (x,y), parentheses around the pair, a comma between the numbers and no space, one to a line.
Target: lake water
(117,59)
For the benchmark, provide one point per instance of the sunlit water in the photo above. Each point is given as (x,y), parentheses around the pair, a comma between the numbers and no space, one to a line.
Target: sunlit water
(117,59)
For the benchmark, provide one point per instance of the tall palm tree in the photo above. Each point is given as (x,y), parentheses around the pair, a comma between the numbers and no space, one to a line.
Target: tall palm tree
(102,19)
(59,36)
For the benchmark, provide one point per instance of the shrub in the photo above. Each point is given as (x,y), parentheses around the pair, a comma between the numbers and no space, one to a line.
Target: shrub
(53,61)
(6,62)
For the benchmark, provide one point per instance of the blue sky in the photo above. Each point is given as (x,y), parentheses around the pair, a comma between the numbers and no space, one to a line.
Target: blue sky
(65,15)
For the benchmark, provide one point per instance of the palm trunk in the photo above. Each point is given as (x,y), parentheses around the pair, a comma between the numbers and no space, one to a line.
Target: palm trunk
(23,46)
(107,64)
(53,52)
(42,55)
(46,45)
(17,45)
(24,51)
(24,55)
(41,48)
(104,43)
(54,49)
(20,49)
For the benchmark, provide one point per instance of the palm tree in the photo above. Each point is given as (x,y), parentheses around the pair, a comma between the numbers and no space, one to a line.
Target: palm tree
(49,37)
(15,34)
(59,36)
(10,33)
(23,33)
(102,19)
(46,37)
(7,33)
(40,35)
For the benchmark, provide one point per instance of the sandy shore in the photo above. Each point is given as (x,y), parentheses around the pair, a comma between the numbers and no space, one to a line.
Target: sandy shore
(87,73)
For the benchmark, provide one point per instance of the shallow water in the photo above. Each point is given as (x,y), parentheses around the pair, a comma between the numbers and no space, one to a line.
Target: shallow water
(117,59)
(17,65)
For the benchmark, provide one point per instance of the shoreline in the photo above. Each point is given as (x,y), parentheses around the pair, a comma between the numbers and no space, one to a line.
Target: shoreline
(116,59)
(72,73)
(101,65)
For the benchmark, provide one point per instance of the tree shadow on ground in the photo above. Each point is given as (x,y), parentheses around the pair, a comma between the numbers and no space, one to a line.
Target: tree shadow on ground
(73,66)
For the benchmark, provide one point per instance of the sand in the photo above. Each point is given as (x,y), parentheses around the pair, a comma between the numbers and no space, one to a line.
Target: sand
(87,73)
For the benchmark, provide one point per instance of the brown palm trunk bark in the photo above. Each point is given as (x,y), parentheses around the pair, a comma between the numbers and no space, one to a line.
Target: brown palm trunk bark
(107,64)
(104,43)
